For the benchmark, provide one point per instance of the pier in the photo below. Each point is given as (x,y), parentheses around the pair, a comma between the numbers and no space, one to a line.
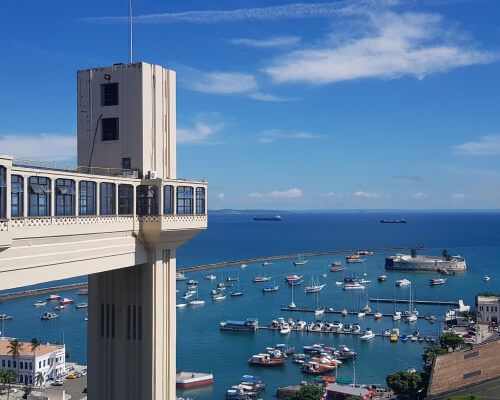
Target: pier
(422,302)
(329,310)
(291,256)
(34,292)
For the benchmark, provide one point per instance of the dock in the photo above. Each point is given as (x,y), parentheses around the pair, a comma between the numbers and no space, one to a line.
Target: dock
(292,256)
(329,310)
(34,292)
(422,302)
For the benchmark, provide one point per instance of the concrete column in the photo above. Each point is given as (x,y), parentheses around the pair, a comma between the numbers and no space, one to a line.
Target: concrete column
(26,195)
(98,198)
(77,198)
(131,332)
(52,197)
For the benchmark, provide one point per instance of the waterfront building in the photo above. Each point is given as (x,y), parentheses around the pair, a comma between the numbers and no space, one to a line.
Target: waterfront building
(118,217)
(488,308)
(48,359)
(334,391)
(423,263)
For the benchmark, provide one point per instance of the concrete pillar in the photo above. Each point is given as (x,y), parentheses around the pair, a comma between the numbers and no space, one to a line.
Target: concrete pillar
(131,332)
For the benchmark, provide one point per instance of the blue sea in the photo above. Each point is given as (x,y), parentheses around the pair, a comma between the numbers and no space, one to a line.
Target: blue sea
(202,347)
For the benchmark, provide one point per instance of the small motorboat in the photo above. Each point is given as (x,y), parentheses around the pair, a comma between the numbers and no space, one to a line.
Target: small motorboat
(347,328)
(83,292)
(404,338)
(266,264)
(285,328)
(412,318)
(66,300)
(382,278)
(210,277)
(336,267)
(235,294)
(192,282)
(40,303)
(319,312)
(53,297)
(5,317)
(181,305)
(437,281)
(261,278)
(82,305)
(270,288)
(386,332)
(396,316)
(196,302)
(48,315)
(355,258)
(368,335)
(243,266)
(344,313)
(402,282)
(218,296)
(188,295)
(361,314)
(232,279)
(378,315)
(59,307)
(179,276)
(486,278)
(356,328)
(353,286)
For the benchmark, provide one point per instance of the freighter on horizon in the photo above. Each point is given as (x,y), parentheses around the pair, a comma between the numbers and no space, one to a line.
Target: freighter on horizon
(393,221)
(277,217)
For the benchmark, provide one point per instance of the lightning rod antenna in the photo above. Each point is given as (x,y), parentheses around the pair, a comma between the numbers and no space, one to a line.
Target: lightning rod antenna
(130,29)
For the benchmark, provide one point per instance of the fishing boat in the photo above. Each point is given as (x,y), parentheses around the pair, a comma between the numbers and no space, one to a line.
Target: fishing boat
(53,297)
(82,305)
(181,305)
(48,315)
(266,360)
(437,281)
(314,287)
(179,276)
(402,282)
(367,335)
(285,328)
(186,380)
(66,300)
(210,277)
(59,307)
(353,286)
(336,267)
(382,278)
(301,261)
(250,324)
(5,317)
(40,303)
(354,258)
(486,278)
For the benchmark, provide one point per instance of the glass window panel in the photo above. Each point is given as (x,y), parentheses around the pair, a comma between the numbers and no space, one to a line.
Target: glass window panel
(39,196)
(125,199)
(168,199)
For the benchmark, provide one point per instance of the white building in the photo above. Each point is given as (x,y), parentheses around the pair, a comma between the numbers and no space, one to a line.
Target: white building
(48,359)
(488,309)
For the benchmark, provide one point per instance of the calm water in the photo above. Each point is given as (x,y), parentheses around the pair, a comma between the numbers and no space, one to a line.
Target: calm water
(201,346)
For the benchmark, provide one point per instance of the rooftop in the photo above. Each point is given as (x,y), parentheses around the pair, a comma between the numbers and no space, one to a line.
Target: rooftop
(347,389)
(26,348)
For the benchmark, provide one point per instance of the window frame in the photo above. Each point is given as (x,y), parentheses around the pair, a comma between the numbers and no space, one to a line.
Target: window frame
(84,198)
(3,192)
(16,196)
(125,203)
(146,200)
(185,202)
(168,200)
(201,208)
(107,198)
(40,196)
(65,197)
(107,136)
(106,98)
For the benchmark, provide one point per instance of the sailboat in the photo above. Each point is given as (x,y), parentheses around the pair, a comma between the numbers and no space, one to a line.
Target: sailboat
(271,288)
(301,261)
(196,301)
(292,304)
(314,287)
(318,312)
(397,314)
(237,293)
(262,278)
(412,316)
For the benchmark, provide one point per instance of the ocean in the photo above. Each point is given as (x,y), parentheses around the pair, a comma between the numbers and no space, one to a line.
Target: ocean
(202,347)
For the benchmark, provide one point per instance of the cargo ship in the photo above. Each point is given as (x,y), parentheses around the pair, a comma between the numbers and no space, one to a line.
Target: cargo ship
(277,217)
(184,380)
(250,324)
(407,262)
(393,221)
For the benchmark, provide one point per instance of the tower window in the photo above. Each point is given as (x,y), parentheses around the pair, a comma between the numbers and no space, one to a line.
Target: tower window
(184,200)
(109,94)
(110,129)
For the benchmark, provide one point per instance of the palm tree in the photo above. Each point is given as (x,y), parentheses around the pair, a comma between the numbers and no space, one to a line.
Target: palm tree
(8,377)
(40,380)
(15,347)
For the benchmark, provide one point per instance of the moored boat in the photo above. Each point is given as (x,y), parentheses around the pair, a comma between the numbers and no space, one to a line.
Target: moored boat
(179,276)
(486,278)
(402,282)
(266,360)
(48,315)
(270,288)
(181,305)
(82,305)
(262,278)
(367,335)
(59,307)
(210,277)
(5,317)
(53,297)
(336,266)
(353,286)
(186,380)
(250,324)
(382,278)
(66,300)
(40,303)
(354,258)
(437,281)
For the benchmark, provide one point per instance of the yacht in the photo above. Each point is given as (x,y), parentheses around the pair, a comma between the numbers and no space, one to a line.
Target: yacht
(53,297)
(336,266)
(396,316)
(354,258)
(356,328)
(49,315)
(301,261)
(437,281)
(218,296)
(337,326)
(319,312)
(82,305)
(285,328)
(368,335)
(66,300)
(486,278)
(353,286)
(40,303)
(402,282)
(347,328)
(5,317)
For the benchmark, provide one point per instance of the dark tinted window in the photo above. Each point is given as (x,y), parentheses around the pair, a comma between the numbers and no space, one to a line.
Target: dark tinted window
(107,199)
(39,196)
(3,192)
(110,129)
(185,200)
(65,197)
(16,196)
(168,199)
(146,200)
(200,200)
(109,94)
(87,198)
(125,199)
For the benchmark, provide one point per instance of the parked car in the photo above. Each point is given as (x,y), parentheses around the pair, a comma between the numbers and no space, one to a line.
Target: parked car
(58,382)
(71,376)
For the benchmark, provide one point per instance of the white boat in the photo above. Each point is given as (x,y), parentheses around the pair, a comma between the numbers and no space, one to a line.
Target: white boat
(66,300)
(82,305)
(210,277)
(355,258)
(319,312)
(301,261)
(53,297)
(378,315)
(59,307)
(292,303)
(5,317)
(353,286)
(179,276)
(344,313)
(285,328)
(361,314)
(49,315)
(412,318)
(187,295)
(181,305)
(339,283)
(314,287)
(261,278)
(437,281)
(243,266)
(266,264)
(486,278)
(196,302)
(218,296)
(403,282)
(396,316)
(368,335)
(356,328)
(40,303)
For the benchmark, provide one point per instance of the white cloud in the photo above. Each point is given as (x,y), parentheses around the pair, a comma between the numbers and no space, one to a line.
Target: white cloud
(366,195)
(203,130)
(390,45)
(289,11)
(420,195)
(458,196)
(486,146)
(293,193)
(279,41)
(221,196)
(44,146)
(273,135)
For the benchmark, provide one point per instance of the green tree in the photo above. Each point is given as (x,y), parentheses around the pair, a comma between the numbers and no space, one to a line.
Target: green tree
(14,349)
(310,392)
(446,255)
(450,339)
(8,377)
(39,381)
(406,385)
(431,352)
(35,344)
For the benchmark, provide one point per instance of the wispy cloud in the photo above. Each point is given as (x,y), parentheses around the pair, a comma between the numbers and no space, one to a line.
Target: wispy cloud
(488,145)
(360,194)
(410,178)
(289,11)
(279,41)
(43,146)
(273,135)
(458,196)
(420,196)
(293,193)
(224,83)
(366,195)
(381,45)
(205,126)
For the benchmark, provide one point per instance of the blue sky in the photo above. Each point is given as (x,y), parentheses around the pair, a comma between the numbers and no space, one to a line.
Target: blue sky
(312,105)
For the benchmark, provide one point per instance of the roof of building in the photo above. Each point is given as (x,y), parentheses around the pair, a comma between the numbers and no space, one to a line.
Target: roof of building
(481,298)
(347,389)
(26,349)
